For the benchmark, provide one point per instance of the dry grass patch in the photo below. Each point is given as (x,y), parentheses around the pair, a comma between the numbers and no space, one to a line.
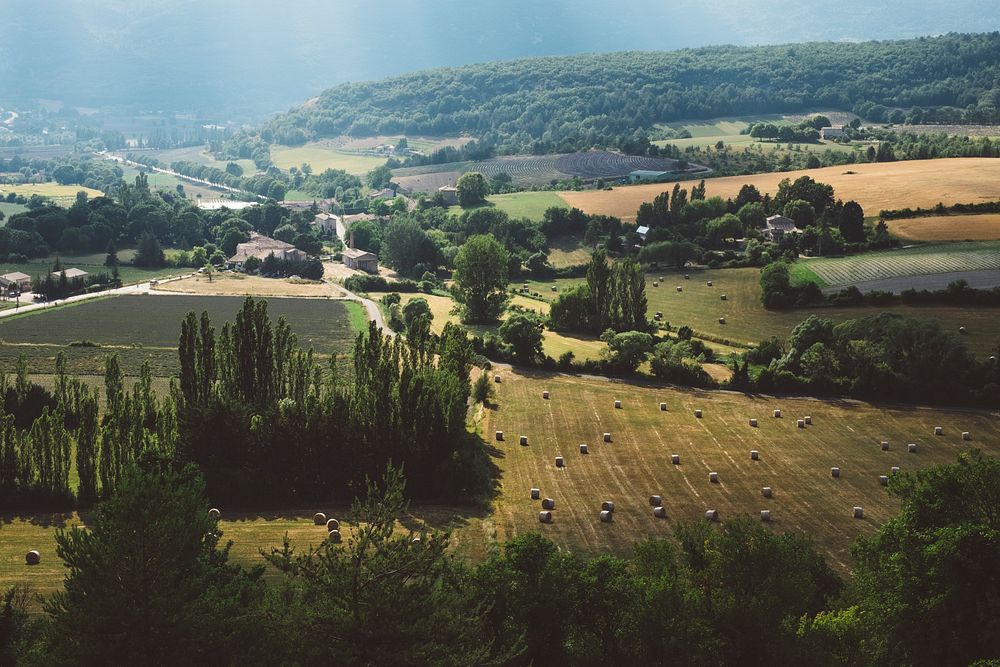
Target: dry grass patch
(985,227)
(238,284)
(885,185)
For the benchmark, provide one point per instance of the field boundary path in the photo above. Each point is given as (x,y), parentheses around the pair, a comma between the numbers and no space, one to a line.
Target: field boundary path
(374,312)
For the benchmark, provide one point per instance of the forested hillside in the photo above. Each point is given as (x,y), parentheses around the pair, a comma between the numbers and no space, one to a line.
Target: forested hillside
(566,103)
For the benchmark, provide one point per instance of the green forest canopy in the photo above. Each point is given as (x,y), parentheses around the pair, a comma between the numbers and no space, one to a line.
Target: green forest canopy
(562,103)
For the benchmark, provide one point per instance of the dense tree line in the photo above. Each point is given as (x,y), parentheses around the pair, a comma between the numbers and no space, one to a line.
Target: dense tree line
(150,577)
(611,100)
(614,297)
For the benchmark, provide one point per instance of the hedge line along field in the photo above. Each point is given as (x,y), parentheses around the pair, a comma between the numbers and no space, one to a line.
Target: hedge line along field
(921,260)
(983,227)
(748,322)
(148,327)
(876,186)
(794,462)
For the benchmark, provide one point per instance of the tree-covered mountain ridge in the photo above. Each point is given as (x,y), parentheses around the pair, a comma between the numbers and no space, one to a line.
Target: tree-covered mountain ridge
(588,100)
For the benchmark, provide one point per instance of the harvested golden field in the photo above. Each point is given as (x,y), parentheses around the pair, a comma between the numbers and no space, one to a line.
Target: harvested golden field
(795,462)
(878,186)
(984,227)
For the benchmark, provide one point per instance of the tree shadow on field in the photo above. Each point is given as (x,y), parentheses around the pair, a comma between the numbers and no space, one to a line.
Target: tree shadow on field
(44,518)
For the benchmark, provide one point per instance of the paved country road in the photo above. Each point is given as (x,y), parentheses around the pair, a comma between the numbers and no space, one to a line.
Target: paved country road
(374,312)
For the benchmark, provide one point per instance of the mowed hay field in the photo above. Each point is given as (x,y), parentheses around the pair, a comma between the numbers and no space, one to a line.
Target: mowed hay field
(60,194)
(877,186)
(747,322)
(322,156)
(795,462)
(985,227)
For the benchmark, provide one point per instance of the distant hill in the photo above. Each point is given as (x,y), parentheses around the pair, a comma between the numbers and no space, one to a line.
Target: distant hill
(574,102)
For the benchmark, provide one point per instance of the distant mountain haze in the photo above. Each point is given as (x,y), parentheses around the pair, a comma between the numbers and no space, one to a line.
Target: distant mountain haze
(253,57)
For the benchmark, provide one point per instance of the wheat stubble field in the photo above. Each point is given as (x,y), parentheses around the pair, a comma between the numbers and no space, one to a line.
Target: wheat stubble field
(876,186)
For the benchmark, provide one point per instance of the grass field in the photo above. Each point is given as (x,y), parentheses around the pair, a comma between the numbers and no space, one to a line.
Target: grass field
(747,322)
(322,155)
(878,186)
(706,133)
(9,209)
(567,251)
(919,260)
(61,194)
(985,227)
(553,344)
(199,155)
(531,205)
(147,328)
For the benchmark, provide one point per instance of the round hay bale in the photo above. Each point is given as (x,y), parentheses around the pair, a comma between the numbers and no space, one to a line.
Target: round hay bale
(687,276)
(660,512)
(912,448)
(661,279)
(499,436)
(655,501)
(548,504)
(767,492)
(966,435)
(938,430)
(536,494)
(680,289)
(319,519)
(334,536)
(894,470)
(545,517)
(214,514)
(607,437)
(961,330)
(801,423)
(663,407)
(332,524)
(656,284)
(618,405)
(606,516)
(675,459)
(712,515)
(859,512)
(583,448)
(777,414)
(765,515)
(524,439)
(883,480)
(415,540)
(608,506)
(545,395)
(497,379)
(658,315)
(713,477)
(885,445)
(709,283)
(697,414)
(555,289)
(754,455)
(32,557)
(559,462)
(722,320)
(722,297)
(753,422)
(834,472)
(808,420)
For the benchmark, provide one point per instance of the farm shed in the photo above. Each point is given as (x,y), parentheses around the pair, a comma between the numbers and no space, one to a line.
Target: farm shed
(449,194)
(361,260)
(71,274)
(831,132)
(647,176)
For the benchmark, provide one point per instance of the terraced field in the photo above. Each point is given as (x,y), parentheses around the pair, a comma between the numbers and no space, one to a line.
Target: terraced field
(833,271)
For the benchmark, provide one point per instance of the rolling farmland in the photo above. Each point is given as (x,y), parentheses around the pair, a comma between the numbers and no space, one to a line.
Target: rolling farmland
(876,186)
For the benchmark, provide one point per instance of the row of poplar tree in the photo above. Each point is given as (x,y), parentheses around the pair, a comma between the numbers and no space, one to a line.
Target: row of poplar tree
(263,418)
